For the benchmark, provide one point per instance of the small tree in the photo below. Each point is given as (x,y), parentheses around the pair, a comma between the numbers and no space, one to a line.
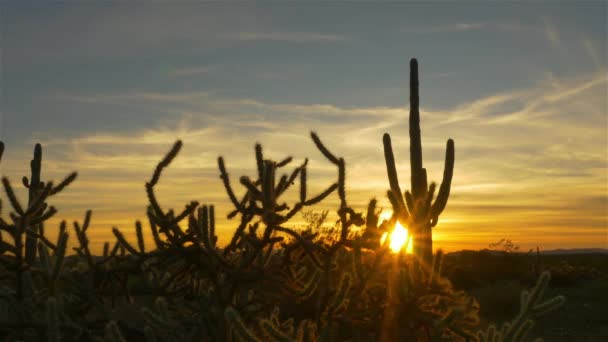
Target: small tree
(505,245)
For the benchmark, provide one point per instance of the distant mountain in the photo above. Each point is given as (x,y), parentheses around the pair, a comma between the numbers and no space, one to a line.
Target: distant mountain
(576,251)
(547,252)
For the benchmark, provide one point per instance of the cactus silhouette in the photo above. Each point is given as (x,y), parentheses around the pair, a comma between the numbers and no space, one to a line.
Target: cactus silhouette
(270,281)
(416,209)
(532,305)
(35,186)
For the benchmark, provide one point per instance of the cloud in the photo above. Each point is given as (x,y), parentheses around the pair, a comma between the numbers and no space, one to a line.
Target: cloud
(482,106)
(531,103)
(191,71)
(551,32)
(197,99)
(545,29)
(536,102)
(592,51)
(132,96)
(459,27)
(290,37)
(440,75)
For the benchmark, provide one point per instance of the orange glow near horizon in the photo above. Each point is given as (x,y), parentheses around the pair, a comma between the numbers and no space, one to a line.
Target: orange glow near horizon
(457,231)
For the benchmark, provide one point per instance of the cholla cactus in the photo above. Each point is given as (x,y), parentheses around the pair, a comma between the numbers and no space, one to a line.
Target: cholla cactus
(416,209)
(52,320)
(36,195)
(270,329)
(27,222)
(531,306)
(113,334)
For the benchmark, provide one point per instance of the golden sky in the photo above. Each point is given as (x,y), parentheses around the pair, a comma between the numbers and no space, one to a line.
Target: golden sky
(522,90)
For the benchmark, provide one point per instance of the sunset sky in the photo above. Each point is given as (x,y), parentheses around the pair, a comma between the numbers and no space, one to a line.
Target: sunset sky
(521,88)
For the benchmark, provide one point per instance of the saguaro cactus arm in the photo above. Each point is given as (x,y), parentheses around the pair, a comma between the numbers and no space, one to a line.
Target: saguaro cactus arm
(395,192)
(446,183)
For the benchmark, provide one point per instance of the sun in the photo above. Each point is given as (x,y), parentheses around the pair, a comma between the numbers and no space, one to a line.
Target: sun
(398,237)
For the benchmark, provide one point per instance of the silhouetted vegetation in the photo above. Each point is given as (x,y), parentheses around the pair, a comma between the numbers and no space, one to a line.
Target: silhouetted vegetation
(496,278)
(270,282)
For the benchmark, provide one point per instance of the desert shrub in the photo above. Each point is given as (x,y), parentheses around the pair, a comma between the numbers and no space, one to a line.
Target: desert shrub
(566,274)
(469,270)
(504,245)
(497,299)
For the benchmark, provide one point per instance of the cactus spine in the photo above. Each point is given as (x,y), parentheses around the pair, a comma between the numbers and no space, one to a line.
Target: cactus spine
(416,209)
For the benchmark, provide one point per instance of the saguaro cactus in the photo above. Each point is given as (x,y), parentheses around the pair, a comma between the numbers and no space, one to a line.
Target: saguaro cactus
(416,209)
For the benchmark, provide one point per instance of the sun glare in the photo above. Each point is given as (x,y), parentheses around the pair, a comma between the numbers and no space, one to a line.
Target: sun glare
(398,238)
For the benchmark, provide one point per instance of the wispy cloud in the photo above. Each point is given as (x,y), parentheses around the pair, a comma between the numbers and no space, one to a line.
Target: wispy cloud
(530,103)
(482,106)
(458,27)
(539,103)
(131,96)
(291,37)
(191,71)
(592,51)
(551,32)
(545,28)
(198,98)
(440,75)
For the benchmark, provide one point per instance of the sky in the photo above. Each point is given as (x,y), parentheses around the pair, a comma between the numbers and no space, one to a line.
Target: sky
(107,88)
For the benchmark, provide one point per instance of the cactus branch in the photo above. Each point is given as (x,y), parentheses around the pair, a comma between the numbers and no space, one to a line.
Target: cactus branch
(446,183)
(391,169)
